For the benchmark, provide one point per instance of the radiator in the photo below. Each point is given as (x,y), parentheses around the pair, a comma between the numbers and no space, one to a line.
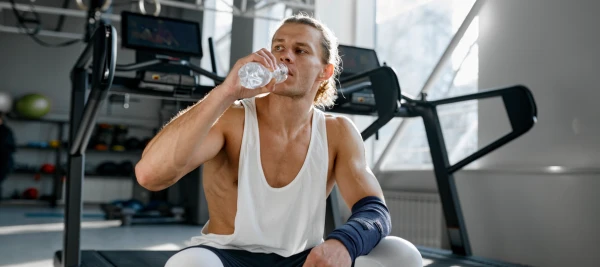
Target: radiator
(416,217)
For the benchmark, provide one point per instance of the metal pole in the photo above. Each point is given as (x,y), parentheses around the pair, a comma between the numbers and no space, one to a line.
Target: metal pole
(455,221)
(67,35)
(171,3)
(56,11)
(433,77)
(235,13)
(74,186)
(447,55)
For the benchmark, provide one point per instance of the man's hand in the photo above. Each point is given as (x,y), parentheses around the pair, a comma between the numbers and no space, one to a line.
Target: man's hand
(231,86)
(329,254)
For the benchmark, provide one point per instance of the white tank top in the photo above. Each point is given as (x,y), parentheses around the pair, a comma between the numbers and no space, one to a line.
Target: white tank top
(286,220)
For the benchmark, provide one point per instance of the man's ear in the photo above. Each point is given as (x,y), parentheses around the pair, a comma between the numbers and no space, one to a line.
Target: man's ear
(327,72)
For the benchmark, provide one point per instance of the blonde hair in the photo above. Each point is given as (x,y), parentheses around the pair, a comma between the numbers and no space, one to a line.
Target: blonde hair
(327,92)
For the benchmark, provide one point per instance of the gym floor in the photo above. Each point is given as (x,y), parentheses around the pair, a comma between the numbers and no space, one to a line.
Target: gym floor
(31,234)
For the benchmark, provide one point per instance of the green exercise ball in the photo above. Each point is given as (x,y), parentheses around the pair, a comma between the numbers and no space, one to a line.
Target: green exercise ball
(33,106)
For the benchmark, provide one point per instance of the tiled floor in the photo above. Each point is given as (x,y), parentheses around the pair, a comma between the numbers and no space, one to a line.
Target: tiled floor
(30,235)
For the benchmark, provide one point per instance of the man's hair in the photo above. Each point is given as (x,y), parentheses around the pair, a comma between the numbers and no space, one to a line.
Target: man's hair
(327,92)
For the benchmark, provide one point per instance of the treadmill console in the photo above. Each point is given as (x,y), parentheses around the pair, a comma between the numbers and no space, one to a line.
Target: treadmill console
(155,37)
(356,60)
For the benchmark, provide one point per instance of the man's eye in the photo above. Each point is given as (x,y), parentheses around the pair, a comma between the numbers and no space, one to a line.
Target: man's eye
(301,51)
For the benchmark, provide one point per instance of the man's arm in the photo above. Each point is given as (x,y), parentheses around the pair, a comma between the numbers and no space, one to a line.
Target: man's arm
(191,138)
(370,220)
(351,172)
(195,135)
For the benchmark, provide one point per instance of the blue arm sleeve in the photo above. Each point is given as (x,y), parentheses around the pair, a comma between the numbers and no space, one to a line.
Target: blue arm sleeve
(369,223)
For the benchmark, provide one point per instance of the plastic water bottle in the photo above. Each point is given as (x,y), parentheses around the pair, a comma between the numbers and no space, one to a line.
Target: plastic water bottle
(254,75)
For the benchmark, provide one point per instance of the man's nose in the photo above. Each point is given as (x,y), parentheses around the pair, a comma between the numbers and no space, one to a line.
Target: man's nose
(285,57)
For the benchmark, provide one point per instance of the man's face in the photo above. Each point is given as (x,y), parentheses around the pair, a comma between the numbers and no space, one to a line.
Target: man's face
(299,47)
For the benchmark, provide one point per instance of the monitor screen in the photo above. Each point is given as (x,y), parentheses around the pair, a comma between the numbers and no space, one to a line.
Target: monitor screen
(357,60)
(160,34)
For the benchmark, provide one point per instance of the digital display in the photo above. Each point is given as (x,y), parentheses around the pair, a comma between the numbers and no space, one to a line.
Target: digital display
(357,60)
(160,34)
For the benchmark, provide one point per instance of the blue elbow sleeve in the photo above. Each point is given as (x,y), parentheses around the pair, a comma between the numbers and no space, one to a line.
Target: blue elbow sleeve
(369,223)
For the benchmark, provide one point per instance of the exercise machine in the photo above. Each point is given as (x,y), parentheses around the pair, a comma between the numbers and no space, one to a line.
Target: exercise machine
(95,70)
(369,89)
(361,94)
(164,48)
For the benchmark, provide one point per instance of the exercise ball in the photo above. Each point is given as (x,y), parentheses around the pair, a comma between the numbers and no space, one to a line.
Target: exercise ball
(31,193)
(33,106)
(5,102)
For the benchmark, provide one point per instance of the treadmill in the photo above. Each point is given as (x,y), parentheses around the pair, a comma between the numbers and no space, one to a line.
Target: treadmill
(365,89)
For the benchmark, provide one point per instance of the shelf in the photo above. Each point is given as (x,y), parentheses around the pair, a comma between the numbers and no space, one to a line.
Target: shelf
(13,117)
(34,147)
(17,118)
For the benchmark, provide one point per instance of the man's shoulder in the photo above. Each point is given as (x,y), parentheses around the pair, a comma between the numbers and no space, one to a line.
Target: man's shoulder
(232,119)
(340,128)
(339,123)
(234,113)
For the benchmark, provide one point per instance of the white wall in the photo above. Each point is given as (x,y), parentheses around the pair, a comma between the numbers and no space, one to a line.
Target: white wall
(551,46)
(352,21)
(515,211)
(338,15)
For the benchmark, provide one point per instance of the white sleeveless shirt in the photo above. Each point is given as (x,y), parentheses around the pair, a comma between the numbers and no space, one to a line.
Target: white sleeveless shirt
(286,220)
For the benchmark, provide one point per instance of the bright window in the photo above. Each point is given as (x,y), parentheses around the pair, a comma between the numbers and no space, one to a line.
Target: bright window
(411,36)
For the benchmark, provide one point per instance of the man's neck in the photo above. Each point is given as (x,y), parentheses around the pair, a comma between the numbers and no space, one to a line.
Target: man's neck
(284,114)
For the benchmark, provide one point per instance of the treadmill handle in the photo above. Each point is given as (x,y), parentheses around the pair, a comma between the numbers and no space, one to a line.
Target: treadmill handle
(354,88)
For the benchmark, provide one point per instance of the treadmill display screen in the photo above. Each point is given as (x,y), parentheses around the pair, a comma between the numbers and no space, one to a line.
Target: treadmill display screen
(160,34)
(356,60)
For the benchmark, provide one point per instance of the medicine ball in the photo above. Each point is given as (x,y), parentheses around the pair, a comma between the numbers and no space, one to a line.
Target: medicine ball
(107,168)
(48,168)
(33,106)
(126,168)
(132,143)
(30,193)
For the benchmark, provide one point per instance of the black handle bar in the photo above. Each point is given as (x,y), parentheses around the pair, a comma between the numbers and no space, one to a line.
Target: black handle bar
(102,48)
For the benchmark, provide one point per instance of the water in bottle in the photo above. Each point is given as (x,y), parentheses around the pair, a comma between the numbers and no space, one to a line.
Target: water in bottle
(254,75)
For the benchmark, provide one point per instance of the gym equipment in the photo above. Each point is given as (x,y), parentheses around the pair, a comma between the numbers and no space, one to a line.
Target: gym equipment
(101,50)
(6,102)
(48,168)
(373,90)
(33,106)
(31,193)
(119,137)
(361,94)
(151,36)
(102,137)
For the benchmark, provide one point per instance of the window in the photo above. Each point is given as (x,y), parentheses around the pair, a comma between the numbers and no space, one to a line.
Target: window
(411,36)
(217,24)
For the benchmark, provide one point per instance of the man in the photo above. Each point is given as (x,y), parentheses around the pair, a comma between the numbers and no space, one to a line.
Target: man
(7,148)
(270,161)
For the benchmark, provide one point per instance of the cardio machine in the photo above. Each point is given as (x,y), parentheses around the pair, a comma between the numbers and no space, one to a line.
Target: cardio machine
(366,88)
